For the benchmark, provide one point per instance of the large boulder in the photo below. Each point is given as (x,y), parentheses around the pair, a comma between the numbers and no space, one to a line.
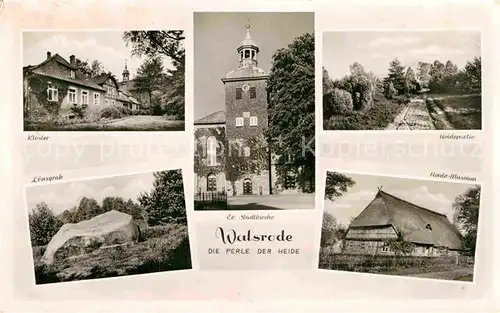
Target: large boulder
(110,228)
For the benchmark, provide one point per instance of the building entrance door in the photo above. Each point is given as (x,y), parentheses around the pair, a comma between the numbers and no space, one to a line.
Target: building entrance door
(247,186)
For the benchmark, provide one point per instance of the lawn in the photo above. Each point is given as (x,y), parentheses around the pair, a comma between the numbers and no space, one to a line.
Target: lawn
(131,123)
(463,112)
(272,202)
(165,248)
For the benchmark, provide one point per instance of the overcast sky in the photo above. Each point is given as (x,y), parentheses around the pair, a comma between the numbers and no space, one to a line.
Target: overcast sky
(375,49)
(63,196)
(217,36)
(432,195)
(107,47)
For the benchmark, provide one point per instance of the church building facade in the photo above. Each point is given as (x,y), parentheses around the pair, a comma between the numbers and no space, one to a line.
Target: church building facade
(246,165)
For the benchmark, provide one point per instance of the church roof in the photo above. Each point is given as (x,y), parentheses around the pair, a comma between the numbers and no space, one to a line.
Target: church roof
(246,71)
(418,224)
(218,117)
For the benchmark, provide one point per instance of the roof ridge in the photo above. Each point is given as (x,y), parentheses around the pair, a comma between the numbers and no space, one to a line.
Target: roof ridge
(410,203)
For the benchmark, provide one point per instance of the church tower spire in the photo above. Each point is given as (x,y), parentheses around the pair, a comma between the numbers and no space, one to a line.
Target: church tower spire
(248,50)
(126,73)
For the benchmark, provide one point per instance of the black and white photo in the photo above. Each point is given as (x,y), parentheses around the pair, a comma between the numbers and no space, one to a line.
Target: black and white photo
(254,110)
(402,80)
(108,227)
(400,226)
(103,80)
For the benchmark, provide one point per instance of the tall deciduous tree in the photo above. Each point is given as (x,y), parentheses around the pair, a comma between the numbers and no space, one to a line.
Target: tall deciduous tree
(466,216)
(291,106)
(87,209)
(331,231)
(424,73)
(165,202)
(337,184)
(43,224)
(169,44)
(89,70)
(150,77)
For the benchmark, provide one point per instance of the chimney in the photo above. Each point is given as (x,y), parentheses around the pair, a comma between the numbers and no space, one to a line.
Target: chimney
(49,55)
(72,59)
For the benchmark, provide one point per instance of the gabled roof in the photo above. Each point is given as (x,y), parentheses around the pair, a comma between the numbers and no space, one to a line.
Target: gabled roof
(58,73)
(101,79)
(412,220)
(218,117)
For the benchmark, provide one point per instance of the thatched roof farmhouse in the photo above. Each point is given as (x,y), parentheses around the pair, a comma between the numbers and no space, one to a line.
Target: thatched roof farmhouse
(388,217)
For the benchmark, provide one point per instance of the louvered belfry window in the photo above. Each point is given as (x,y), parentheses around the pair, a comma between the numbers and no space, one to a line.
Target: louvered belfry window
(253,93)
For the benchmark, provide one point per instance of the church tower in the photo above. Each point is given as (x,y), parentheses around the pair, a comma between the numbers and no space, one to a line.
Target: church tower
(126,73)
(245,93)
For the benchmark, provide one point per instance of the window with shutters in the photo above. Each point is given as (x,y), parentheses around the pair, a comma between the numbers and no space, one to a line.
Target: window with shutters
(238,93)
(253,93)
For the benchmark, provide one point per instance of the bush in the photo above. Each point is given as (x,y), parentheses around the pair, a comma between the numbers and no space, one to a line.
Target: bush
(115,111)
(79,110)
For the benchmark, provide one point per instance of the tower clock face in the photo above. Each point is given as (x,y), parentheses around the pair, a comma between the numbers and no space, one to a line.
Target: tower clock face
(245,87)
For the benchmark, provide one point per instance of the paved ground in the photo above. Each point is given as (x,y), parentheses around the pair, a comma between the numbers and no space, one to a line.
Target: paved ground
(415,116)
(271,202)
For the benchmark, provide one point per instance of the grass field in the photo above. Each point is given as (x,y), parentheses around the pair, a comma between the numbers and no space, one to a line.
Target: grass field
(131,123)
(463,112)
(165,248)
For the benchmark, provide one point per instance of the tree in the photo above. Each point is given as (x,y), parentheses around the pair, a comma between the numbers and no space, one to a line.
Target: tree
(168,43)
(411,83)
(472,73)
(450,69)
(389,90)
(159,44)
(43,224)
(87,209)
(291,107)
(331,231)
(337,184)
(89,70)
(424,74)
(466,217)
(361,86)
(399,244)
(165,203)
(397,75)
(150,77)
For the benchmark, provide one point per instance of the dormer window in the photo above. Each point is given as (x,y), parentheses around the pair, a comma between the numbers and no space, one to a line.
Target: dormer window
(72,73)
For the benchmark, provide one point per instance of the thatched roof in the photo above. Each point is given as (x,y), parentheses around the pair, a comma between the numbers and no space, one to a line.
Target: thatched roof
(418,224)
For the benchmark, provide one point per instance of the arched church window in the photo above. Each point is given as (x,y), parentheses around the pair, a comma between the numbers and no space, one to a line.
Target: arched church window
(247,54)
(253,54)
(211,182)
(211,151)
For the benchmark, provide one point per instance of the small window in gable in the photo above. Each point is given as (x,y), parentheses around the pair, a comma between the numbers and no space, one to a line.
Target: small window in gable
(253,93)
(238,93)
(239,122)
(72,73)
